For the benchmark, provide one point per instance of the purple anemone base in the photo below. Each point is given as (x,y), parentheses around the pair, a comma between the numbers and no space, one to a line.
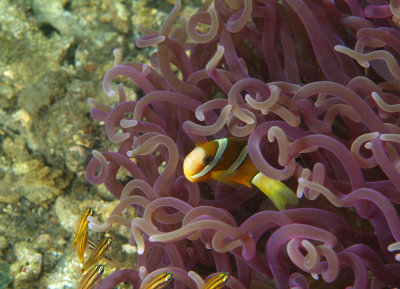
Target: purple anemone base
(313,86)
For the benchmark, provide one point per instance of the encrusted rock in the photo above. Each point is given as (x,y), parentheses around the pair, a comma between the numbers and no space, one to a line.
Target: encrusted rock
(29,262)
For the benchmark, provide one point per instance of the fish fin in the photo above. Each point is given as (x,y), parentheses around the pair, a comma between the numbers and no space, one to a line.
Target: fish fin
(221,175)
(276,191)
(222,179)
(229,178)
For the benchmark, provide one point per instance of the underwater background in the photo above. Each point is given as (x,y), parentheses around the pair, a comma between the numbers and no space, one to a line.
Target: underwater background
(53,56)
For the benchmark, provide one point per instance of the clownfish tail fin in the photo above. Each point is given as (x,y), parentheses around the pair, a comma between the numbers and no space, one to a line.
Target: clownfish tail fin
(275,190)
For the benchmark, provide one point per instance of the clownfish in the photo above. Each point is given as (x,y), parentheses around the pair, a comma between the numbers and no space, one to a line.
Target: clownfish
(227,160)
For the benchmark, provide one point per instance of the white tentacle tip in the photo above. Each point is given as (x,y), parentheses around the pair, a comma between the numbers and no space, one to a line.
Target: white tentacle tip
(110,93)
(338,47)
(228,107)
(153,239)
(127,123)
(143,272)
(375,96)
(118,138)
(91,226)
(93,222)
(394,247)
(98,155)
(133,122)
(146,69)
(248,98)
(251,121)
(300,193)
(315,276)
(91,101)
(199,115)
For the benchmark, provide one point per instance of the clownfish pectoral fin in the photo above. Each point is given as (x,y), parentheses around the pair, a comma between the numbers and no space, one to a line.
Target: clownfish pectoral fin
(227,178)
(219,175)
(276,191)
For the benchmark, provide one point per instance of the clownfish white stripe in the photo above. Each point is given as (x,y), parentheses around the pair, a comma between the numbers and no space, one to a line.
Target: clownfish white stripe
(238,161)
(222,145)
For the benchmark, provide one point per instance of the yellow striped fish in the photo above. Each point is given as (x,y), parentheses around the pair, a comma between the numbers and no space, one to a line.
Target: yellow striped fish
(91,278)
(80,240)
(227,160)
(97,254)
(91,246)
(159,281)
(217,281)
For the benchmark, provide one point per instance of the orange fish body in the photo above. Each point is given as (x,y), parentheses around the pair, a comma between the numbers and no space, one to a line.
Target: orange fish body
(227,160)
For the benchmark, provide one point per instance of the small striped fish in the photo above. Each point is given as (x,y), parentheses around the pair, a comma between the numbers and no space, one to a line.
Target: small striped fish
(158,282)
(91,277)
(227,160)
(97,254)
(80,240)
(217,281)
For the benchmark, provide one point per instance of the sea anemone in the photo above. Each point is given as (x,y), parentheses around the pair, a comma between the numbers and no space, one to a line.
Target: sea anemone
(313,86)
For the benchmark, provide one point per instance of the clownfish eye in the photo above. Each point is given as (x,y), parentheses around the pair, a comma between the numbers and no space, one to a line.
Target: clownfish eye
(208,160)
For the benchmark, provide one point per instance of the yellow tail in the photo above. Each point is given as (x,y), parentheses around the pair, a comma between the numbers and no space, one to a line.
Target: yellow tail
(275,190)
